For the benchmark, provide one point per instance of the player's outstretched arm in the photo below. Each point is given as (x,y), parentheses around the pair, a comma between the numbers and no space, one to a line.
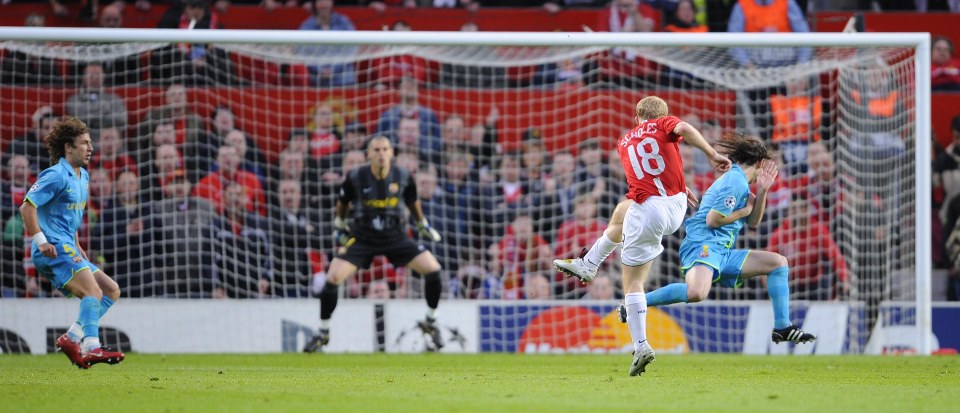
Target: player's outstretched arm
(693,137)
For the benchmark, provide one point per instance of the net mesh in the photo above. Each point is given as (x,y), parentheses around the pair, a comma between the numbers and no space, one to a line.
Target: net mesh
(512,148)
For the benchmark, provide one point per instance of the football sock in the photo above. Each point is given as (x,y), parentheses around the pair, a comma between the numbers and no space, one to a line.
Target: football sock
(325,325)
(599,251)
(89,319)
(431,288)
(779,296)
(637,317)
(105,304)
(668,294)
(75,333)
(89,344)
(431,314)
(328,300)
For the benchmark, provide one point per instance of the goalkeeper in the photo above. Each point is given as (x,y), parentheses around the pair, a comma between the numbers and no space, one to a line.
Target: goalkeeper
(372,194)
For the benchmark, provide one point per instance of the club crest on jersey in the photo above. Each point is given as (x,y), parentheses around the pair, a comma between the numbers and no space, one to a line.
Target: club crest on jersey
(77,259)
(394,188)
(730,202)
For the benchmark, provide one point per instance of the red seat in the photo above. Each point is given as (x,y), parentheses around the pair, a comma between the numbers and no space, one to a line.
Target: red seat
(255,70)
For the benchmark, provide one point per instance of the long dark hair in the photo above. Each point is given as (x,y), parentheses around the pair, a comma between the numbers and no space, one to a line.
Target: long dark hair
(743,149)
(64,132)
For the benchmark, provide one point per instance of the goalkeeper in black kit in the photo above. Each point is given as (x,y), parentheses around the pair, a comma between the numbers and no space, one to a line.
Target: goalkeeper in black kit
(374,196)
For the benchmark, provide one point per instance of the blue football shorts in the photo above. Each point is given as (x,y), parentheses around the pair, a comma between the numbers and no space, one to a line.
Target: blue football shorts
(726,263)
(60,270)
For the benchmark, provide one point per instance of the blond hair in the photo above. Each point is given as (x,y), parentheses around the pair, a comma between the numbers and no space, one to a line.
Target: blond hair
(652,107)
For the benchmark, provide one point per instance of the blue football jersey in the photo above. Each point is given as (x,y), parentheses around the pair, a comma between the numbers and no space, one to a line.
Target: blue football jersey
(727,194)
(61,198)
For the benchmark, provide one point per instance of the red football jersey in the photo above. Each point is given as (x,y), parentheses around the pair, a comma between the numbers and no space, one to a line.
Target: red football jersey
(650,154)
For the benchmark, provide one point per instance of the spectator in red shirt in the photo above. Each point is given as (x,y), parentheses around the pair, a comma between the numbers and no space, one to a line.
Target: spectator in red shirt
(391,69)
(818,269)
(111,156)
(945,69)
(187,125)
(518,253)
(621,65)
(211,186)
(574,234)
(324,137)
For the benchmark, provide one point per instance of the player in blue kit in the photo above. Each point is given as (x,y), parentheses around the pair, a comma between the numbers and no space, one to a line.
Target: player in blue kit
(706,253)
(52,212)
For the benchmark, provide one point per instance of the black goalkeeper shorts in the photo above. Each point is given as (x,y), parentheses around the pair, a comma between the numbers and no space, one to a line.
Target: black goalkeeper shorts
(400,251)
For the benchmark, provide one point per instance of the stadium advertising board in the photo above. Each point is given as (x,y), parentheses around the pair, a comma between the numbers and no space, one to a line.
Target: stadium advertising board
(365,326)
(723,327)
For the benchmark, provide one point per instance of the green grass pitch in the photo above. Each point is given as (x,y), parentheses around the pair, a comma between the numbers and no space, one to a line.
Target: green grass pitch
(481,383)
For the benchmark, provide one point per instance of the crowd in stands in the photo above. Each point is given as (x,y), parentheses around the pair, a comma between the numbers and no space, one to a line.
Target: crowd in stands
(185,204)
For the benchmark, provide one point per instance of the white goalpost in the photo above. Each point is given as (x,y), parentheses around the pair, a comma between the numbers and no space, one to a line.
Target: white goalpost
(510,138)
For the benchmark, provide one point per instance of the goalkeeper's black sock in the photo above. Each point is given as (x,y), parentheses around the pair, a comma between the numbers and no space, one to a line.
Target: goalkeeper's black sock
(431,288)
(328,300)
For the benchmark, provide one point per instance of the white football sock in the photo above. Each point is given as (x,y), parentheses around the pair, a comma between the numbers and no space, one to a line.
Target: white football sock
(89,344)
(599,251)
(431,313)
(637,317)
(75,333)
(325,325)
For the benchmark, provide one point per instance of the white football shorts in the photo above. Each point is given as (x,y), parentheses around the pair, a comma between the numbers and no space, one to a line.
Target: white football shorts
(645,225)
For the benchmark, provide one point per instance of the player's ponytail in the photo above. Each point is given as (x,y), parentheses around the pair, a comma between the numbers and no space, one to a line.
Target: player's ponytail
(743,149)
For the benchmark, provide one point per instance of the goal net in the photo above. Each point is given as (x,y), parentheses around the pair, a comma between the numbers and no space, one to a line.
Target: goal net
(219,157)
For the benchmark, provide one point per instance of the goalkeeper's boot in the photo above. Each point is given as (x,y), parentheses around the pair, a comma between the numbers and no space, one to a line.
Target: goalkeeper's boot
(72,350)
(641,358)
(432,331)
(792,334)
(101,355)
(318,342)
(576,267)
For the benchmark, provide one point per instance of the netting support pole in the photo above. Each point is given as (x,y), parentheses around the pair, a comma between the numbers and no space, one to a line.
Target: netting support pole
(924,255)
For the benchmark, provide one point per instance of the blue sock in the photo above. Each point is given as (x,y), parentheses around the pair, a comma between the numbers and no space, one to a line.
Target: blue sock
(105,304)
(780,296)
(668,294)
(90,316)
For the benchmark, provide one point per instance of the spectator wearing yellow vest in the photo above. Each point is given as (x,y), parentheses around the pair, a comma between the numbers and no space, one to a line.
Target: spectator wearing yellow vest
(796,118)
(768,16)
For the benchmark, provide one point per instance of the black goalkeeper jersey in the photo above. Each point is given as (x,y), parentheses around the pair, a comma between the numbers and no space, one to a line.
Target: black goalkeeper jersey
(378,204)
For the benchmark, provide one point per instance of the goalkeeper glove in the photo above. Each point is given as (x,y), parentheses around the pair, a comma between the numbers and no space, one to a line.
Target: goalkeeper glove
(426,231)
(341,232)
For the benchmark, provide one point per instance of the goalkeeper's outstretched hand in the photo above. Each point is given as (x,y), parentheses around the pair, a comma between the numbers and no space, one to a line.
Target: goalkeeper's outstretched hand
(426,231)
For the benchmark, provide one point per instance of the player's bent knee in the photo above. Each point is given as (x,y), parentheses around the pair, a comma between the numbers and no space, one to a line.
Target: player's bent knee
(782,261)
(696,295)
(112,291)
(109,287)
